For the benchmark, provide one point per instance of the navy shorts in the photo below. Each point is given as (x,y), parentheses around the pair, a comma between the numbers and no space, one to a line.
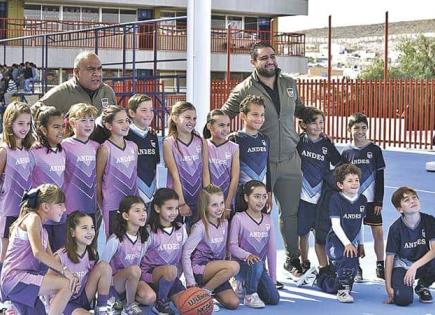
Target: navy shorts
(223,287)
(79,302)
(371,218)
(306,217)
(177,287)
(5,224)
(322,225)
(112,221)
(56,235)
(25,298)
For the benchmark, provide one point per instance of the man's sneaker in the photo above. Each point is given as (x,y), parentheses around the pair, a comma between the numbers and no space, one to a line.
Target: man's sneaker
(343,296)
(132,309)
(380,271)
(423,293)
(359,275)
(308,277)
(254,301)
(306,265)
(163,308)
(279,285)
(293,266)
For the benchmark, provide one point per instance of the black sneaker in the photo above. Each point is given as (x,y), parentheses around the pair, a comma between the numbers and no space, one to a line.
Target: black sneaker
(306,265)
(279,285)
(293,266)
(359,275)
(162,308)
(423,293)
(380,271)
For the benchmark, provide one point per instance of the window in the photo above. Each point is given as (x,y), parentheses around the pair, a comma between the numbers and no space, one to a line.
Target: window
(109,16)
(50,12)
(90,15)
(32,11)
(236,22)
(218,21)
(71,13)
(127,16)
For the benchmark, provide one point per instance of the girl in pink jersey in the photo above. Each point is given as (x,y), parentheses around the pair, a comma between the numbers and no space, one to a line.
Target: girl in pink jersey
(50,163)
(125,250)
(161,266)
(251,242)
(28,255)
(16,165)
(204,252)
(81,257)
(186,158)
(116,165)
(81,155)
(223,156)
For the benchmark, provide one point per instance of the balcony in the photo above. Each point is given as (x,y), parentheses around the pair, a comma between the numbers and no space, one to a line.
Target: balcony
(167,37)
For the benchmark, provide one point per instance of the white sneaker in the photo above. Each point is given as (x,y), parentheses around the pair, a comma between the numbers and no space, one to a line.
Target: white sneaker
(132,309)
(254,301)
(308,277)
(344,296)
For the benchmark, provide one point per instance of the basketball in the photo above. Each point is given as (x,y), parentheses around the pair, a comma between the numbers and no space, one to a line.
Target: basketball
(195,301)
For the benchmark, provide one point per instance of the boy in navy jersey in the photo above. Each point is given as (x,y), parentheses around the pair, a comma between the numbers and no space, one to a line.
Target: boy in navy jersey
(140,110)
(344,243)
(410,251)
(317,154)
(368,157)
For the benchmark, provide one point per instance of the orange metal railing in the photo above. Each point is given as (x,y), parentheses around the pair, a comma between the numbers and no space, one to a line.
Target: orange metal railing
(404,118)
(169,36)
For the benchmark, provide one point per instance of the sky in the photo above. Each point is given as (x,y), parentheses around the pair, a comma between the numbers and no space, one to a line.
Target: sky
(355,12)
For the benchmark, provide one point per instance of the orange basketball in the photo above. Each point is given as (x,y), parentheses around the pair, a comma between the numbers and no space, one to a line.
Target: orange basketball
(195,301)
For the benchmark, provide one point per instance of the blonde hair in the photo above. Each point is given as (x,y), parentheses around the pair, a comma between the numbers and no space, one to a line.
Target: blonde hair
(33,199)
(203,202)
(77,111)
(12,112)
(177,109)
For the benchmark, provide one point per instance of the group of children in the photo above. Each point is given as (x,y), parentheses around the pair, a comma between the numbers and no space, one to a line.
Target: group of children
(211,222)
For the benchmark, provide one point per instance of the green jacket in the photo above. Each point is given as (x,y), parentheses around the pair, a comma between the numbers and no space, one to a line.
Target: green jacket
(279,128)
(71,92)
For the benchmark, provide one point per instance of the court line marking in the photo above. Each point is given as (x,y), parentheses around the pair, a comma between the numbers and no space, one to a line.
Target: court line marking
(419,190)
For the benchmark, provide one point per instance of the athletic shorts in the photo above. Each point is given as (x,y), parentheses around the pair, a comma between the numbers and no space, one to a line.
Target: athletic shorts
(223,287)
(25,298)
(79,302)
(306,217)
(371,218)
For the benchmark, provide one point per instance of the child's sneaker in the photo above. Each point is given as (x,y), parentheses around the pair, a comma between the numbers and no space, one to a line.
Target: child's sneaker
(253,300)
(359,275)
(115,305)
(103,310)
(380,271)
(279,285)
(216,307)
(423,293)
(308,277)
(343,296)
(293,266)
(306,265)
(132,309)
(163,308)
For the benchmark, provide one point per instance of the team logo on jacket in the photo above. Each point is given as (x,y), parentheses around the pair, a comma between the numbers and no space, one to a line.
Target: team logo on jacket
(263,142)
(291,92)
(369,155)
(104,102)
(362,208)
(153,143)
(423,233)
(325,150)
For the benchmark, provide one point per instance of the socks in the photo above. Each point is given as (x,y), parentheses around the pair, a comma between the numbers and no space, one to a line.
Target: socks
(102,299)
(163,289)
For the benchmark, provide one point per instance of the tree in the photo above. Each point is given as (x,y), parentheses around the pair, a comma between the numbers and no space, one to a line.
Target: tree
(416,60)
